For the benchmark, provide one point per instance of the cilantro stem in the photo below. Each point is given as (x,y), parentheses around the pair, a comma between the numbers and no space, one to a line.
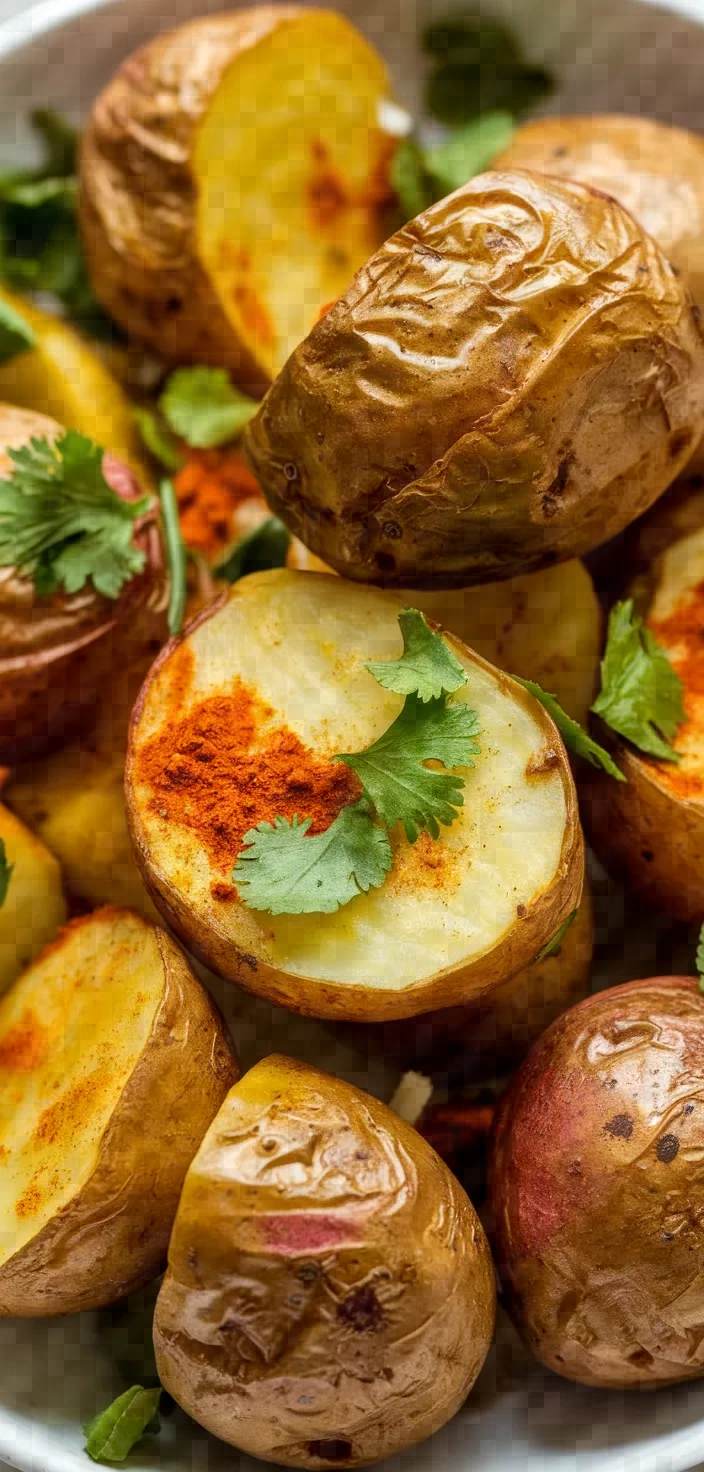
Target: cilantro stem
(176,556)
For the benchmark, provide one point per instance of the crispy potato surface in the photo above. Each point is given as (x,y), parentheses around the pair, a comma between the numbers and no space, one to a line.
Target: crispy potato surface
(234,175)
(276,669)
(34,906)
(595,1188)
(508,382)
(330,1293)
(113,1062)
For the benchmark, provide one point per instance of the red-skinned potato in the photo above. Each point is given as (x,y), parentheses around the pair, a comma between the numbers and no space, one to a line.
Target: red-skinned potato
(57,651)
(596,1189)
(329,1298)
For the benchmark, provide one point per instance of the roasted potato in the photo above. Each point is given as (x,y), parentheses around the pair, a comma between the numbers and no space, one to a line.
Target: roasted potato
(270,682)
(57,651)
(650,829)
(113,1062)
(512,378)
(655,171)
(595,1192)
(234,175)
(34,906)
(329,1311)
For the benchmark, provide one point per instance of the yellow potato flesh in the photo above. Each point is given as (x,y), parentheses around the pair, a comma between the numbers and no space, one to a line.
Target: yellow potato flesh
(71,1032)
(34,906)
(289,160)
(301,641)
(676,616)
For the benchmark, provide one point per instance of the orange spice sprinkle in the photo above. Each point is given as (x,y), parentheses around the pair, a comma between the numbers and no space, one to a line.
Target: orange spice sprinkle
(209,488)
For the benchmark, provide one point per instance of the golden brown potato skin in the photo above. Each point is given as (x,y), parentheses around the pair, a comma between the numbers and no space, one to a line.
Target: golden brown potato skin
(112,1237)
(330,1293)
(655,171)
(56,652)
(596,1185)
(489,419)
(138,197)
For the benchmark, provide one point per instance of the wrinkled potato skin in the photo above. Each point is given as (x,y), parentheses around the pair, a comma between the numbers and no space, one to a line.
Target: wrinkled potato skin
(596,1186)
(349,1301)
(57,651)
(471,453)
(137,199)
(113,1236)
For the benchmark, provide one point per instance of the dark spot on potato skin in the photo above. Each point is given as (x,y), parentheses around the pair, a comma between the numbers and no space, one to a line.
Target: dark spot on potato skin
(330,1451)
(621,1127)
(689,1109)
(551,498)
(667,1148)
(679,442)
(362,1311)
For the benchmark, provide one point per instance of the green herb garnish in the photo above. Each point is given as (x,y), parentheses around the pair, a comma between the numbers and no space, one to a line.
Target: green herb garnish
(175,555)
(5,873)
(202,406)
(554,946)
(641,694)
(479,67)
(285,872)
(427,668)
(158,439)
(421,176)
(62,524)
(576,739)
(264,547)
(112,1434)
(16,335)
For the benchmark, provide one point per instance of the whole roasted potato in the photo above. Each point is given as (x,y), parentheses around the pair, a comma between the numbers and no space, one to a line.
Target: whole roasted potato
(237,723)
(233,176)
(596,1190)
(655,171)
(509,381)
(57,650)
(113,1062)
(34,906)
(329,1298)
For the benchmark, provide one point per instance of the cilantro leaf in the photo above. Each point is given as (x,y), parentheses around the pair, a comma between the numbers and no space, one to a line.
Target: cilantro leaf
(5,873)
(16,335)
(427,668)
(201,405)
(554,946)
(468,150)
(641,694)
(392,773)
(576,739)
(285,872)
(158,439)
(60,521)
(266,546)
(700,959)
(479,68)
(411,180)
(111,1435)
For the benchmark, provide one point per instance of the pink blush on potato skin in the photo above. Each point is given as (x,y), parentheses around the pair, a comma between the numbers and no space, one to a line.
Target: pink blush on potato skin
(308,1231)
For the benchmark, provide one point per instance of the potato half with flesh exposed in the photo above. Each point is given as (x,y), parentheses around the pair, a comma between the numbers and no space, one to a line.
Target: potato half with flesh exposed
(34,905)
(650,829)
(234,176)
(596,1190)
(509,381)
(113,1062)
(329,1313)
(238,721)
(56,651)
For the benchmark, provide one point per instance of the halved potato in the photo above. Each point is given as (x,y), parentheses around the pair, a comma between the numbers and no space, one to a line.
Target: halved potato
(277,665)
(113,1062)
(34,906)
(234,176)
(650,829)
(329,1298)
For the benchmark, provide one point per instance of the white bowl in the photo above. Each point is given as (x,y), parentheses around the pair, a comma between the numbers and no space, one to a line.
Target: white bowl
(618,55)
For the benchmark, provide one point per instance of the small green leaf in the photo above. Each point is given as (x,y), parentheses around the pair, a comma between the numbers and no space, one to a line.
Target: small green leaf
(410,179)
(641,695)
(554,946)
(264,547)
(427,668)
(479,68)
(5,873)
(158,439)
(284,872)
(576,739)
(112,1434)
(60,141)
(16,335)
(392,772)
(468,151)
(201,405)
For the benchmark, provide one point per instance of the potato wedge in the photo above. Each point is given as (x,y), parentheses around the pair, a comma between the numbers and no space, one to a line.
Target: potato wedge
(234,176)
(57,651)
(113,1062)
(281,660)
(328,1312)
(34,906)
(463,414)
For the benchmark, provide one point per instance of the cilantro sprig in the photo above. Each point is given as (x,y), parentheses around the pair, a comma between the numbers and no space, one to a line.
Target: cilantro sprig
(554,946)
(284,870)
(5,873)
(62,524)
(576,739)
(422,175)
(203,407)
(641,694)
(478,66)
(112,1434)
